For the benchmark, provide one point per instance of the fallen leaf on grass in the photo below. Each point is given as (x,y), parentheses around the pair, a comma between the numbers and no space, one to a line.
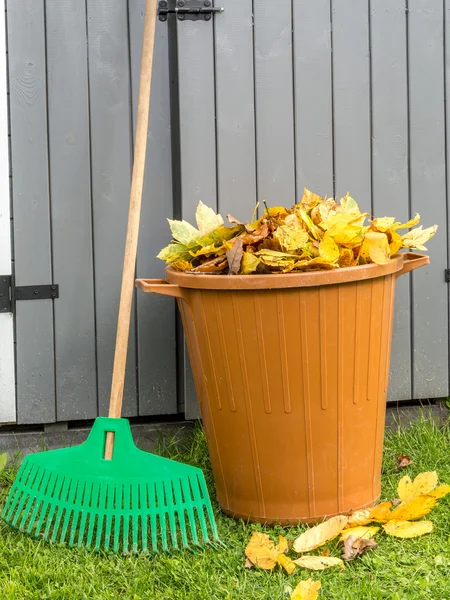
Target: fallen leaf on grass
(406,529)
(287,563)
(403,460)
(381,513)
(359,517)
(424,483)
(321,534)
(411,510)
(306,590)
(440,491)
(318,563)
(356,547)
(359,532)
(263,553)
(248,564)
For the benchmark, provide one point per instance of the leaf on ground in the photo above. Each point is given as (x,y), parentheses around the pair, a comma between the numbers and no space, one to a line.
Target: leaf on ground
(263,553)
(320,534)
(424,483)
(358,518)
(248,564)
(306,590)
(184,232)
(406,529)
(283,544)
(3,461)
(403,460)
(287,563)
(354,547)
(234,257)
(207,220)
(440,491)
(413,509)
(318,563)
(359,532)
(381,513)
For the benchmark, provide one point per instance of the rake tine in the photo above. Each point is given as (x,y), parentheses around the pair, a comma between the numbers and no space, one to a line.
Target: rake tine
(101,516)
(126,517)
(208,506)
(171,513)
(190,511)
(23,498)
(162,514)
(180,511)
(84,514)
(56,491)
(59,514)
(71,498)
(151,488)
(135,522)
(76,516)
(199,501)
(143,516)
(92,513)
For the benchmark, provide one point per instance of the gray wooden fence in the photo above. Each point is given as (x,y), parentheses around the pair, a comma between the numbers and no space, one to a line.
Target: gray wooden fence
(266,98)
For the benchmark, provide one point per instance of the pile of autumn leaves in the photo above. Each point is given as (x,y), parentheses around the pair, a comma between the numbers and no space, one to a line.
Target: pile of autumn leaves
(316,234)
(398,518)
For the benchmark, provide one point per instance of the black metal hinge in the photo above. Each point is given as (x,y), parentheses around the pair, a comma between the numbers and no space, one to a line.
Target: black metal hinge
(188,10)
(447,275)
(10,295)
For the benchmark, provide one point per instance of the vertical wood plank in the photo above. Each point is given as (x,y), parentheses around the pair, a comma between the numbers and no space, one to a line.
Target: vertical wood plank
(235,113)
(110,106)
(31,209)
(428,195)
(351,93)
(313,96)
(197,138)
(7,383)
(68,125)
(274,95)
(156,314)
(390,161)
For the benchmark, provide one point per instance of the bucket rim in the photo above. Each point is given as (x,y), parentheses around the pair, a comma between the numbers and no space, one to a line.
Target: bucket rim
(285,280)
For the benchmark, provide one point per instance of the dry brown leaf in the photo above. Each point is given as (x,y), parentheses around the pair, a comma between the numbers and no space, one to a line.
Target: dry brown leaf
(381,513)
(234,257)
(248,564)
(354,547)
(411,510)
(318,563)
(306,590)
(403,460)
(406,529)
(320,534)
(325,552)
(231,219)
(440,491)
(424,483)
(359,532)
(359,517)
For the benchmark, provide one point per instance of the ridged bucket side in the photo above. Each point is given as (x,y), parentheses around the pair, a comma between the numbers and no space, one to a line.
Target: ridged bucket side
(292,388)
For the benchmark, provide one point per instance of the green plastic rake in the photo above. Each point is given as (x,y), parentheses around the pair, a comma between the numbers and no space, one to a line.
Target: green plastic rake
(132,503)
(107,494)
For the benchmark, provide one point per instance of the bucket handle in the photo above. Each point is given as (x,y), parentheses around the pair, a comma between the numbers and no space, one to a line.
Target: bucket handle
(160,286)
(411,261)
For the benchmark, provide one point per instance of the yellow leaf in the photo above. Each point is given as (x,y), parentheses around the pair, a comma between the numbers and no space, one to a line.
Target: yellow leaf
(358,518)
(319,263)
(416,238)
(249,264)
(349,236)
(375,248)
(328,249)
(423,484)
(349,205)
(174,252)
(396,243)
(320,534)
(310,200)
(381,513)
(206,250)
(291,235)
(181,265)
(184,232)
(405,529)
(261,551)
(359,532)
(346,257)
(283,544)
(275,211)
(318,563)
(440,491)
(303,215)
(383,224)
(415,508)
(207,220)
(287,564)
(409,224)
(306,590)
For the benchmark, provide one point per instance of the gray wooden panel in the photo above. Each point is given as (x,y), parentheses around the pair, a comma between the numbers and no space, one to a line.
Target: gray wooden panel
(156,314)
(68,126)
(313,97)
(351,96)
(428,195)
(235,113)
(109,82)
(197,135)
(29,162)
(274,102)
(390,161)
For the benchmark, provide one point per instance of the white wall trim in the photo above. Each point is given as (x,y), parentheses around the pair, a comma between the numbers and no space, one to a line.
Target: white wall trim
(7,378)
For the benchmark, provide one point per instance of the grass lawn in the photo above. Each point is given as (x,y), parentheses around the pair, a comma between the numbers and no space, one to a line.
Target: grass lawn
(397,570)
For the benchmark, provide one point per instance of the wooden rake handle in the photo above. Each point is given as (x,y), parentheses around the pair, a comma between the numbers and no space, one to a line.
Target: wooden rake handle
(131,245)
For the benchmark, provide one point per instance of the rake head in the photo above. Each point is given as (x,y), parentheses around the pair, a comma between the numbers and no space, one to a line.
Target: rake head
(136,502)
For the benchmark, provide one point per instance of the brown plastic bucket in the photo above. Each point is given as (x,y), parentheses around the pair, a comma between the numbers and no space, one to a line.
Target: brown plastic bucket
(291,374)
